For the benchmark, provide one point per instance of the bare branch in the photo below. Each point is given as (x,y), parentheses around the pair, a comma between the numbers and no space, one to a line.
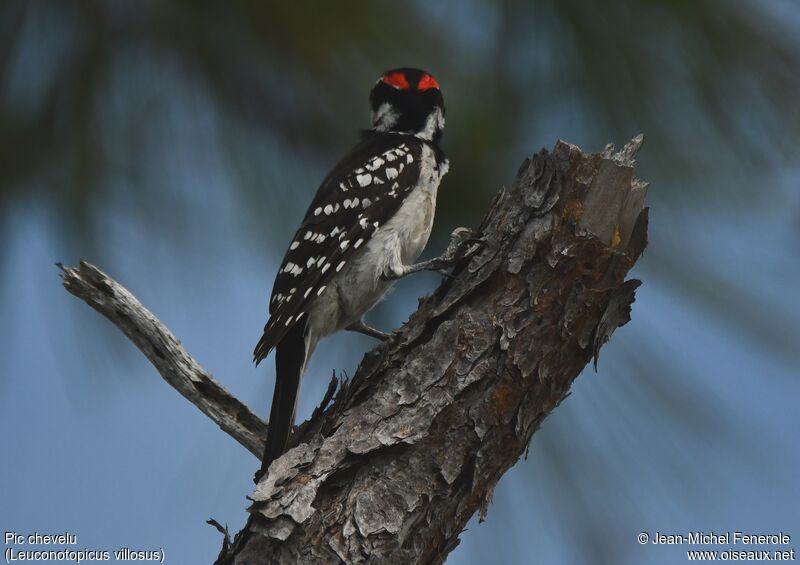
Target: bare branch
(166,353)
(415,443)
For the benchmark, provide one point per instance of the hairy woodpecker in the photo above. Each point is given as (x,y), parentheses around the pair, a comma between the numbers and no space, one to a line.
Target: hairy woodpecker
(369,221)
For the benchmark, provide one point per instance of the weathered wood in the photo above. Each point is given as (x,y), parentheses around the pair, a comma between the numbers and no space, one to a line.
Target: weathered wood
(166,353)
(415,443)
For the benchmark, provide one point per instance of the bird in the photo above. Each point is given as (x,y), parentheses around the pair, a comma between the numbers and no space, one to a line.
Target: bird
(368,222)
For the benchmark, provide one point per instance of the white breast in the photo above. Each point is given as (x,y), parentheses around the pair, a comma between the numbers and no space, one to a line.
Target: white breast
(408,230)
(398,242)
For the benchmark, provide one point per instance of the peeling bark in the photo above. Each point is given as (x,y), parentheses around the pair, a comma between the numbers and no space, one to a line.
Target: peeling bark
(415,443)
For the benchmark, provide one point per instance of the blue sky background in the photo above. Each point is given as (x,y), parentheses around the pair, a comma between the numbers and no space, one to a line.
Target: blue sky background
(690,423)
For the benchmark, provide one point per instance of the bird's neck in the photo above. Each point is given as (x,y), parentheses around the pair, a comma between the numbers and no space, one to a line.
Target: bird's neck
(434,126)
(430,127)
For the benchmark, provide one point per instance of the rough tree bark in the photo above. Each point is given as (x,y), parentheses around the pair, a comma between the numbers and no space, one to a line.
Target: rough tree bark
(416,441)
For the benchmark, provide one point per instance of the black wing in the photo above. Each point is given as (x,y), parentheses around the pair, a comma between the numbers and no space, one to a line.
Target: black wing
(361,193)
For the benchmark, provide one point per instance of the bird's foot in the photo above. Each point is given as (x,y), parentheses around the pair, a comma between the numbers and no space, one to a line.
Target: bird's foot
(463,244)
(363,328)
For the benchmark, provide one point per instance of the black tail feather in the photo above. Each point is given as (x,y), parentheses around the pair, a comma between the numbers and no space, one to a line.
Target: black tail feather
(290,358)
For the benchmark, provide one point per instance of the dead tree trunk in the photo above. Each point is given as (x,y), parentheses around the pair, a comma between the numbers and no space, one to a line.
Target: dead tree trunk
(415,443)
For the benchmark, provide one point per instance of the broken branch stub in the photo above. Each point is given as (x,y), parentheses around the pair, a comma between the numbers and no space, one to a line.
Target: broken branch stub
(417,441)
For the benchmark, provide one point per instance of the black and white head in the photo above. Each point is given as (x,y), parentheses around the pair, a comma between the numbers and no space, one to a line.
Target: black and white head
(409,101)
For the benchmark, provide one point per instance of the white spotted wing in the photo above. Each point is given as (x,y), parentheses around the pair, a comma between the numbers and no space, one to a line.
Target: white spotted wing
(362,192)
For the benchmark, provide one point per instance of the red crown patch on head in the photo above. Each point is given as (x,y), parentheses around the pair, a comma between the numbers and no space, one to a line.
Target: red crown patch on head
(397,80)
(427,82)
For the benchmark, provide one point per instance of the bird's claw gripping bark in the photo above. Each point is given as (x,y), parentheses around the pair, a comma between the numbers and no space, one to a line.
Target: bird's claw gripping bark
(463,245)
